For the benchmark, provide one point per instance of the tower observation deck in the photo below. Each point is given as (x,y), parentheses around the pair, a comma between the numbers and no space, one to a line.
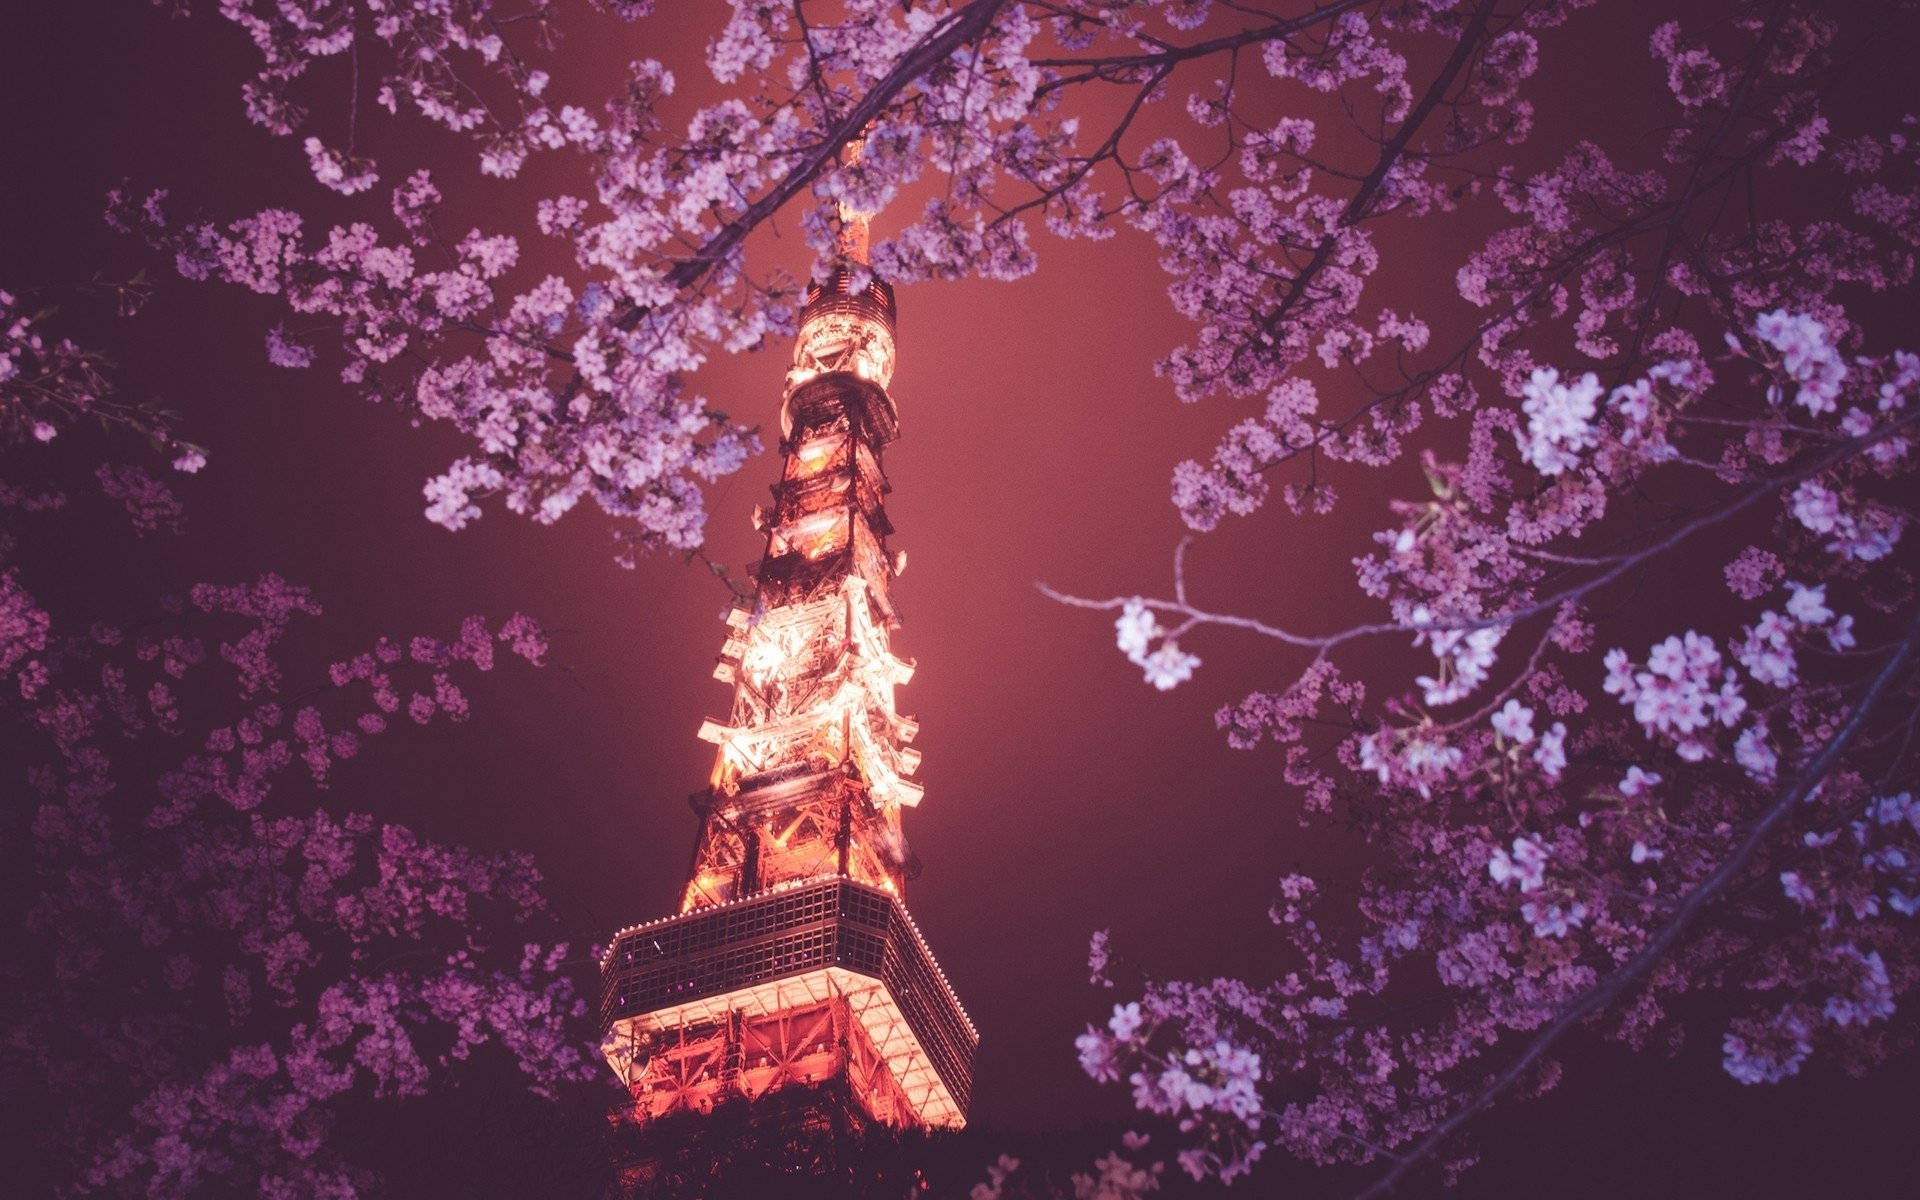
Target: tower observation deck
(793,967)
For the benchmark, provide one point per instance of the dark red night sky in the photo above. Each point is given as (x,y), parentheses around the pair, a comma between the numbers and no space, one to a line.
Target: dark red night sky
(1063,795)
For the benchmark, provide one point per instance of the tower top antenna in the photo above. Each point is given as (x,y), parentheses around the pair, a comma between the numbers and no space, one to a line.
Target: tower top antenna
(854,236)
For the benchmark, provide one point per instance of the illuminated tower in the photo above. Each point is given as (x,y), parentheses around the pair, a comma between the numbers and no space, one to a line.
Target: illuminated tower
(793,980)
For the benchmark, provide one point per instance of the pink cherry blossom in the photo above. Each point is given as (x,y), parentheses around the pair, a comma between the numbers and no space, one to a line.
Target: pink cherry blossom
(1552,796)
(279,954)
(1658,385)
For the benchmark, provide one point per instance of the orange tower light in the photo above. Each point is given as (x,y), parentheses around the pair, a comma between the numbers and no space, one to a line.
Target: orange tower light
(793,966)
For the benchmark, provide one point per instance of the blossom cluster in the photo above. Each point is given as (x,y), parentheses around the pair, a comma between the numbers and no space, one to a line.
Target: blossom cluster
(574,383)
(1648,404)
(1165,666)
(173,861)
(1716,471)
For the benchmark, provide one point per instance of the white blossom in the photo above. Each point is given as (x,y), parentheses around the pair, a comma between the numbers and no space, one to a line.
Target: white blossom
(1808,605)
(1770,1052)
(1551,754)
(1526,866)
(1514,722)
(1754,754)
(1133,632)
(1553,919)
(1767,651)
(1169,666)
(1807,355)
(1559,419)
(1636,781)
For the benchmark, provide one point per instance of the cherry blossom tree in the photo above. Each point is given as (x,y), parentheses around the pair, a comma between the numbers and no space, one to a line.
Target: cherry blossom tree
(1675,363)
(1666,375)
(209,967)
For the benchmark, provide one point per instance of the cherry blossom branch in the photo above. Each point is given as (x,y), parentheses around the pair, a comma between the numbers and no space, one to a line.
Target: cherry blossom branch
(1110,67)
(1741,501)
(1390,155)
(1669,216)
(956,31)
(1668,935)
(1658,276)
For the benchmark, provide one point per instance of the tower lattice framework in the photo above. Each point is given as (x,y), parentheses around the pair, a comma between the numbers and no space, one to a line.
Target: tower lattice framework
(793,966)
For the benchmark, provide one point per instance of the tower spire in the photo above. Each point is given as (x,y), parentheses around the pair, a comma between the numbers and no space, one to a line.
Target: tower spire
(793,966)
(854,232)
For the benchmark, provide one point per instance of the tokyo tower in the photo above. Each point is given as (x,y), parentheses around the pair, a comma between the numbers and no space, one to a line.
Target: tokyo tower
(793,980)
